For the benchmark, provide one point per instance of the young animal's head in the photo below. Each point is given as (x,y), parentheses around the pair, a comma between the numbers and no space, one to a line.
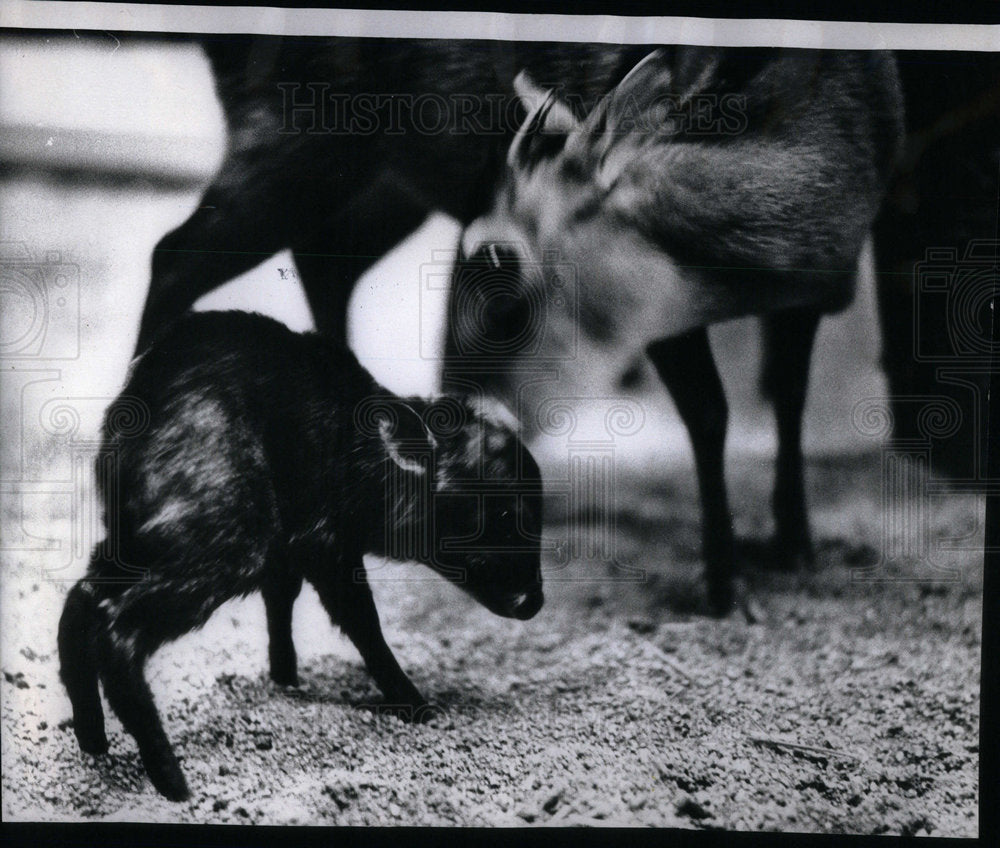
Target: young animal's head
(463,495)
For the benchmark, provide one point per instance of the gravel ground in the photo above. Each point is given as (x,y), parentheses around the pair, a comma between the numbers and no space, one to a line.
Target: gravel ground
(852,707)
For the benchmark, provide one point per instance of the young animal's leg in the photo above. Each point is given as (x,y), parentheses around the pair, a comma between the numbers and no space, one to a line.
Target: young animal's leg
(280,589)
(686,366)
(78,667)
(331,259)
(345,593)
(122,651)
(788,338)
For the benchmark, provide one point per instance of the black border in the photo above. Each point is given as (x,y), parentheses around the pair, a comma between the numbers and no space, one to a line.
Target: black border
(191,835)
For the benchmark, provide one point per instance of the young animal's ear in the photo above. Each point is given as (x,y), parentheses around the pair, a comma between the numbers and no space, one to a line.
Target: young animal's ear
(407,441)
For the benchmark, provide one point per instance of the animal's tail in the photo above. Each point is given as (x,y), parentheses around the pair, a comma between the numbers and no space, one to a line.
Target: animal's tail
(78,666)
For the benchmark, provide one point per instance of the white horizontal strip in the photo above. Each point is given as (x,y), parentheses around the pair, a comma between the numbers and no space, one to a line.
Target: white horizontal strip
(133,17)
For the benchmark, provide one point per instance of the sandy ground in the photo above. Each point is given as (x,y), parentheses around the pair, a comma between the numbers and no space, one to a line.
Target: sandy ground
(619,704)
(852,707)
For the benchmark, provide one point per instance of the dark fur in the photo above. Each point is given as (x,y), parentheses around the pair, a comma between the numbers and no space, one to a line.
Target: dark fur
(246,457)
(341,200)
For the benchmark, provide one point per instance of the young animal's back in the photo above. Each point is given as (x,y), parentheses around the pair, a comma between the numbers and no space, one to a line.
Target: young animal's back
(247,433)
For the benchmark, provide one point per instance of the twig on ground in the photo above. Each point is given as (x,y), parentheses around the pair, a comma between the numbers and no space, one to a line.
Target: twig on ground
(663,657)
(797,746)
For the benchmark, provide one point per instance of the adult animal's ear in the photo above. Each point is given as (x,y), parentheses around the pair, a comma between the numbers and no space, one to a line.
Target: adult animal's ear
(545,129)
(623,122)
(558,117)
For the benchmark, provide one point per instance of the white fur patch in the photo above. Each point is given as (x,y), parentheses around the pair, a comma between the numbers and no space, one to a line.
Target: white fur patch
(170,511)
(406,463)
(494,412)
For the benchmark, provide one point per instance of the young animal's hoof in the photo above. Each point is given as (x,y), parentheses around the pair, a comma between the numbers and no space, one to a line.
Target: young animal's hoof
(173,787)
(92,738)
(283,677)
(92,741)
(427,713)
(418,713)
(167,777)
